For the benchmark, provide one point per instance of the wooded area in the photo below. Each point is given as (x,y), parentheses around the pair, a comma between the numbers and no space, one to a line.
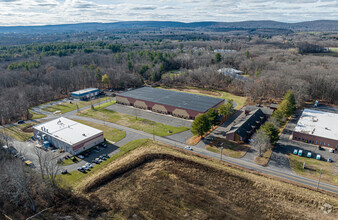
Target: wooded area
(273,64)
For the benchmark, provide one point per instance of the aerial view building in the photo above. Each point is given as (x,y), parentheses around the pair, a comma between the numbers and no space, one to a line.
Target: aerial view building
(246,125)
(67,134)
(180,104)
(317,127)
(85,94)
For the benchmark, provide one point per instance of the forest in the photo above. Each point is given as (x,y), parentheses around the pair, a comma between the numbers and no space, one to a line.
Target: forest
(272,64)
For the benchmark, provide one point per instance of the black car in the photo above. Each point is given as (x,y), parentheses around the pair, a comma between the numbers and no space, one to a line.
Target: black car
(21,122)
(81,169)
(106,155)
(64,172)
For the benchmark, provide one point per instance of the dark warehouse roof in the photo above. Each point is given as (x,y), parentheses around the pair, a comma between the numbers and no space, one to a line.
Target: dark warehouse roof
(183,100)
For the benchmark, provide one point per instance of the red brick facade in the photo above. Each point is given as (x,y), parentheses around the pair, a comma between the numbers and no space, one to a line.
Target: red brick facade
(170,109)
(308,138)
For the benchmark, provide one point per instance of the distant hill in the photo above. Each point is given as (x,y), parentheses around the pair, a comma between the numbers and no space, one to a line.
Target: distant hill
(320,25)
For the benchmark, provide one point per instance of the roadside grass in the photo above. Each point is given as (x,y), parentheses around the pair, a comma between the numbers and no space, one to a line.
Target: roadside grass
(111,134)
(312,168)
(264,159)
(72,105)
(231,149)
(35,115)
(130,121)
(74,178)
(21,132)
(240,100)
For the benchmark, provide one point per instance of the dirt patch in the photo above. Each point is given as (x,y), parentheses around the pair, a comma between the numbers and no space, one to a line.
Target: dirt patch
(28,129)
(152,183)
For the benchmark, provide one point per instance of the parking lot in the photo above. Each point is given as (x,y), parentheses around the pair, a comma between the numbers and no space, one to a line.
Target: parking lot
(150,115)
(286,145)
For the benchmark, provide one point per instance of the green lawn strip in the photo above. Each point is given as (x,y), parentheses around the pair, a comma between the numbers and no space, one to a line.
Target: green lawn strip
(69,161)
(36,115)
(109,133)
(224,95)
(130,121)
(74,178)
(72,105)
(312,168)
(230,149)
(16,131)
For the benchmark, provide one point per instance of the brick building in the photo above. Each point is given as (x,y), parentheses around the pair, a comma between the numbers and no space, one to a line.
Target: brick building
(179,104)
(317,127)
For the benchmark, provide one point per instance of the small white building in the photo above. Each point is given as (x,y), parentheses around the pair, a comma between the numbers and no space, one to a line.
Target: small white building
(69,135)
(86,94)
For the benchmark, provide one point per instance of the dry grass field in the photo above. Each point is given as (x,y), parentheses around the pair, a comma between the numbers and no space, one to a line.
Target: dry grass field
(156,181)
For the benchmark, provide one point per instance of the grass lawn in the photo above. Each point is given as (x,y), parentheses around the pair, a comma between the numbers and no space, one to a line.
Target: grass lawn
(263,160)
(231,149)
(130,121)
(213,93)
(334,49)
(75,177)
(312,168)
(171,74)
(111,134)
(20,132)
(71,105)
(70,161)
(36,115)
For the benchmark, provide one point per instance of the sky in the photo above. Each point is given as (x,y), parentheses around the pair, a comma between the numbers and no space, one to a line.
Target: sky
(43,12)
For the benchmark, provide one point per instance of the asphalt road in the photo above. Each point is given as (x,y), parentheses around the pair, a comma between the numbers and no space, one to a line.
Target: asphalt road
(132,134)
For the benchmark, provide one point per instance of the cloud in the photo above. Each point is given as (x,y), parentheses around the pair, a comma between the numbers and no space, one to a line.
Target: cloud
(32,12)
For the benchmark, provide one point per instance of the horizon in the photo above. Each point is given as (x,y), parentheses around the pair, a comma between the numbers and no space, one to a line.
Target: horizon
(57,12)
(94,22)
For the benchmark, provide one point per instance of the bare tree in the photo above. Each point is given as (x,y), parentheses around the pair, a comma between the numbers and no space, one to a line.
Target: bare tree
(261,141)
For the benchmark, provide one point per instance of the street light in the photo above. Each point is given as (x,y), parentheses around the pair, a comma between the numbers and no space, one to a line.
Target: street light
(153,133)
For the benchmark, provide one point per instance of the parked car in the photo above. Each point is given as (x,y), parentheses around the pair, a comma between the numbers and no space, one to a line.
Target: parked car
(21,122)
(104,145)
(188,148)
(81,169)
(329,159)
(85,168)
(103,158)
(89,165)
(100,160)
(80,156)
(300,152)
(309,155)
(95,161)
(64,172)
(331,150)
(318,157)
(86,154)
(295,151)
(106,155)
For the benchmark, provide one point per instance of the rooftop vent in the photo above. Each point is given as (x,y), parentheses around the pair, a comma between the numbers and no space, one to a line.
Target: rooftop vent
(84,135)
(314,119)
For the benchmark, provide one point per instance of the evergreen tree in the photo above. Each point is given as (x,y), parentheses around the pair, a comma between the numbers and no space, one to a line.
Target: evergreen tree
(200,125)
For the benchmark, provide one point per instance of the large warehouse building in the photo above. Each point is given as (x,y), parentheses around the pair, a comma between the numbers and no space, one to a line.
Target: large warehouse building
(69,135)
(317,127)
(179,104)
(85,94)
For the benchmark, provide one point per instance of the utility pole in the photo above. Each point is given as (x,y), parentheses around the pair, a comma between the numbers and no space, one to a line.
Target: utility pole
(104,121)
(153,133)
(222,150)
(320,175)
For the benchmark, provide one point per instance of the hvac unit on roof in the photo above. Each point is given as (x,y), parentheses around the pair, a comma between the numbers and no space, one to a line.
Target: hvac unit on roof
(314,119)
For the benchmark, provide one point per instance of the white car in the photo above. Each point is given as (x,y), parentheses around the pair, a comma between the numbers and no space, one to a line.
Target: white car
(331,150)
(188,148)
(89,165)
(80,156)
(85,168)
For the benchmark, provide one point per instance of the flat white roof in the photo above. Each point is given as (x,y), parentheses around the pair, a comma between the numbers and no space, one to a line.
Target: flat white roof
(82,91)
(318,123)
(67,130)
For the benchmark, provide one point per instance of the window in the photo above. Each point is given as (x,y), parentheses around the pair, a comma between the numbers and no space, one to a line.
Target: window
(328,145)
(320,143)
(316,142)
(324,143)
